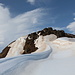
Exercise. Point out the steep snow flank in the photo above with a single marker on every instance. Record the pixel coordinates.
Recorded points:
(17, 47)
(61, 47)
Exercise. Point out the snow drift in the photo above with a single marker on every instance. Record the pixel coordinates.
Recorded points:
(18, 65)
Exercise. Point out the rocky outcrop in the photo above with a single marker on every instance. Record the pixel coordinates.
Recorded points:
(29, 44)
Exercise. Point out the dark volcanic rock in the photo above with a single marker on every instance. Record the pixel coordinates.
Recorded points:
(29, 44)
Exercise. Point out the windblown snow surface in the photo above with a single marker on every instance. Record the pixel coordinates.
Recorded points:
(55, 56)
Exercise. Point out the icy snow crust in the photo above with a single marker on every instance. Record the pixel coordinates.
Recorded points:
(55, 56)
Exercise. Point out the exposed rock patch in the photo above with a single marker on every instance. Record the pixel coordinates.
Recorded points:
(29, 45)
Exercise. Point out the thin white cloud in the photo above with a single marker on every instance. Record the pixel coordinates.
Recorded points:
(31, 1)
(71, 27)
(12, 28)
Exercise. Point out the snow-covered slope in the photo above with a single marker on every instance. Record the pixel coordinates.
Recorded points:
(37, 64)
(52, 55)
(49, 59)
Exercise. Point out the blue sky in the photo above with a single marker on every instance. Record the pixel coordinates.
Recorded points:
(20, 17)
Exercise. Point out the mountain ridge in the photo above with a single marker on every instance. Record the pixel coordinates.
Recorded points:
(29, 45)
